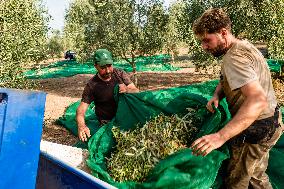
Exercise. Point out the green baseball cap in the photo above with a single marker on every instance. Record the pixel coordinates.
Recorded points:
(103, 57)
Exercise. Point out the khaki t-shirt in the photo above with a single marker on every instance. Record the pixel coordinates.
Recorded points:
(242, 64)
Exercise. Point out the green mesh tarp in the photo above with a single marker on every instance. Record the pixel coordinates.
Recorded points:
(275, 65)
(69, 68)
(181, 169)
(160, 96)
(66, 68)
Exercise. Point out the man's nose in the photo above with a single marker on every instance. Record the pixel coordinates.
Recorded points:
(107, 70)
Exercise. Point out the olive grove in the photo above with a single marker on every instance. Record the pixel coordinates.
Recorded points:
(23, 32)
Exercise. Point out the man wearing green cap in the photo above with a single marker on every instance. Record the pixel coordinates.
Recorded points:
(100, 90)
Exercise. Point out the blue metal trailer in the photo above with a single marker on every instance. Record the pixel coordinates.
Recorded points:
(22, 165)
(55, 174)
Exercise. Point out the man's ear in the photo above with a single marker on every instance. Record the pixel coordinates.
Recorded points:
(224, 32)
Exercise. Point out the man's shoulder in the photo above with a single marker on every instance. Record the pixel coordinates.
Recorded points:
(117, 70)
(240, 45)
(245, 46)
(243, 49)
(122, 76)
(93, 80)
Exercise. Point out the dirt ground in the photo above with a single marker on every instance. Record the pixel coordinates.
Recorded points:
(61, 92)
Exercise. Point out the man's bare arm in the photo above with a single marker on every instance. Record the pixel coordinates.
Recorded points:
(83, 130)
(254, 103)
(131, 88)
(219, 92)
(218, 95)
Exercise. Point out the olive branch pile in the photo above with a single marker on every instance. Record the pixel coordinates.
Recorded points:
(139, 150)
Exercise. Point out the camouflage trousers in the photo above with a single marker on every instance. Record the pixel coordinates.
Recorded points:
(249, 162)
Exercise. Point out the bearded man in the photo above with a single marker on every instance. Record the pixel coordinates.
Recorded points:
(100, 90)
(246, 83)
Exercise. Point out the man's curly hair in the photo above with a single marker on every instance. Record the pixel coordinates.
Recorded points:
(211, 21)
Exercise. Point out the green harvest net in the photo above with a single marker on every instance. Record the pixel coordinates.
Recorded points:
(275, 65)
(181, 169)
(69, 68)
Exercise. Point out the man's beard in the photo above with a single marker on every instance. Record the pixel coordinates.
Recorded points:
(220, 50)
(106, 76)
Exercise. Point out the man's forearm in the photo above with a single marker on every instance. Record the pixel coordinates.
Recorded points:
(247, 114)
(80, 120)
(131, 88)
(80, 114)
(219, 93)
(83, 130)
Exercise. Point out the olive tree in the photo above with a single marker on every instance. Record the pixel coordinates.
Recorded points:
(255, 20)
(54, 45)
(128, 28)
(78, 20)
(23, 29)
(192, 9)
(173, 37)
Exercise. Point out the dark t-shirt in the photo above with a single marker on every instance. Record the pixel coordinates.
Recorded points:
(101, 93)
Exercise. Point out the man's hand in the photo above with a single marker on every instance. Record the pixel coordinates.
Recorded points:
(207, 143)
(84, 133)
(128, 89)
(83, 130)
(122, 88)
(218, 95)
(214, 100)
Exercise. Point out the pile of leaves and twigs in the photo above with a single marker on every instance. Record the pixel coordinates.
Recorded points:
(139, 150)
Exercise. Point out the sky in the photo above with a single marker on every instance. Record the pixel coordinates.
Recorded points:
(56, 8)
